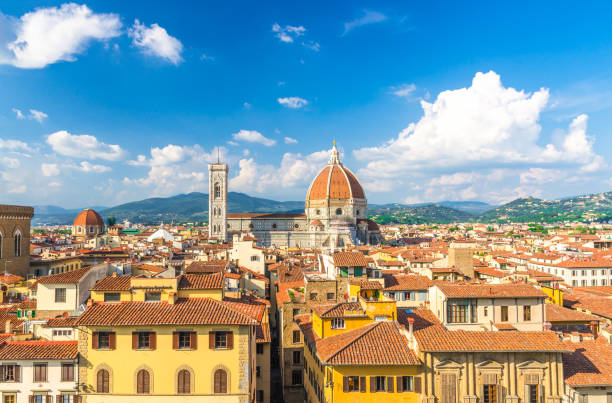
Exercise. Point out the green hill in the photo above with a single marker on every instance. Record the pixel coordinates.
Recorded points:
(421, 214)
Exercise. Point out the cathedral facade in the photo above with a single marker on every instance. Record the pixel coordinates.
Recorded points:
(335, 213)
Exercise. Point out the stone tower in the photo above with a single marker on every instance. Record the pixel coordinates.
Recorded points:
(217, 201)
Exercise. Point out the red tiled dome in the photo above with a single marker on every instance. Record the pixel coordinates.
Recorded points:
(335, 182)
(88, 217)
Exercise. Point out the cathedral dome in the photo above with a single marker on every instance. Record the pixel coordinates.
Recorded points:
(335, 182)
(88, 217)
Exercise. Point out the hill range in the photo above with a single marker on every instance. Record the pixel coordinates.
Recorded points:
(193, 207)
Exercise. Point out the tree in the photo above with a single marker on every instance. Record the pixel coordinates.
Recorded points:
(110, 221)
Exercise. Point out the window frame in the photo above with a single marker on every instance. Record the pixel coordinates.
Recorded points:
(40, 372)
(60, 295)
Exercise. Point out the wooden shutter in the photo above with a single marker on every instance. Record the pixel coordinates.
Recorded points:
(193, 340)
(449, 388)
(362, 384)
(31, 399)
(44, 371)
(112, 341)
(175, 340)
(372, 384)
(2, 370)
(153, 340)
(399, 384)
(489, 379)
(17, 373)
(48, 398)
(390, 384)
(417, 384)
(230, 340)
(211, 340)
(345, 384)
(58, 399)
(94, 340)
(134, 340)
(532, 379)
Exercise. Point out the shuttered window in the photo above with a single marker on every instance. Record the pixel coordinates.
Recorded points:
(67, 372)
(143, 381)
(103, 341)
(102, 381)
(220, 381)
(40, 372)
(184, 382)
(449, 388)
(404, 384)
(350, 384)
(184, 340)
(10, 373)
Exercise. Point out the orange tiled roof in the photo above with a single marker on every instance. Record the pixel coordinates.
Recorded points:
(400, 282)
(349, 259)
(193, 311)
(69, 277)
(490, 291)
(432, 336)
(378, 343)
(62, 322)
(200, 281)
(39, 350)
(110, 283)
(556, 313)
(368, 285)
(335, 310)
(589, 365)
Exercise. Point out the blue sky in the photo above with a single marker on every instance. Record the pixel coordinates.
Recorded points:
(106, 102)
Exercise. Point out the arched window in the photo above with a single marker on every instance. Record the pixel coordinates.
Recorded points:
(17, 243)
(184, 382)
(217, 190)
(220, 381)
(103, 381)
(143, 384)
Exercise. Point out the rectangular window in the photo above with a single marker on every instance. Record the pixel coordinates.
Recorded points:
(504, 313)
(67, 372)
(296, 377)
(313, 296)
(337, 323)
(260, 348)
(296, 336)
(331, 296)
(220, 339)
(60, 295)
(144, 340)
(12, 398)
(260, 396)
(152, 296)
(380, 383)
(486, 311)
(10, 373)
(527, 313)
(112, 297)
(489, 394)
(40, 372)
(104, 340)
(184, 340)
(352, 384)
(297, 358)
(258, 371)
(457, 312)
(405, 384)
(296, 312)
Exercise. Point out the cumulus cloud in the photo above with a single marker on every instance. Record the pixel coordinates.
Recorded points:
(88, 167)
(292, 102)
(14, 145)
(49, 35)
(50, 169)
(18, 114)
(155, 40)
(369, 17)
(37, 115)
(295, 171)
(253, 136)
(540, 175)
(287, 33)
(486, 124)
(290, 140)
(84, 146)
(18, 189)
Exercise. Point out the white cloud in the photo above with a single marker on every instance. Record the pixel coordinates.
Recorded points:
(253, 136)
(539, 176)
(20, 189)
(288, 33)
(312, 45)
(85, 166)
(369, 17)
(49, 169)
(290, 140)
(14, 145)
(207, 58)
(246, 106)
(295, 171)
(49, 35)
(484, 124)
(292, 102)
(155, 41)
(18, 113)
(84, 146)
(9, 162)
(404, 90)
(456, 179)
(37, 115)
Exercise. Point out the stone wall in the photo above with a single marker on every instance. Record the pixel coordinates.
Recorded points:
(13, 220)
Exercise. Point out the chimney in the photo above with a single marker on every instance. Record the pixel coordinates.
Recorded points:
(65, 315)
(89, 302)
(7, 326)
(411, 328)
(547, 326)
(172, 298)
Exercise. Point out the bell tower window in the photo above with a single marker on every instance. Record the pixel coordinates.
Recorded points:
(217, 191)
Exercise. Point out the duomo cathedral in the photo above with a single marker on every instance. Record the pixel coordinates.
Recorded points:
(335, 213)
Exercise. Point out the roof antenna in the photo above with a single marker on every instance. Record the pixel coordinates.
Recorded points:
(218, 155)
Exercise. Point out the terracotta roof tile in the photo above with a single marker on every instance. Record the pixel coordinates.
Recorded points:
(110, 283)
(556, 313)
(589, 365)
(401, 282)
(349, 259)
(490, 291)
(336, 310)
(39, 350)
(200, 281)
(69, 277)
